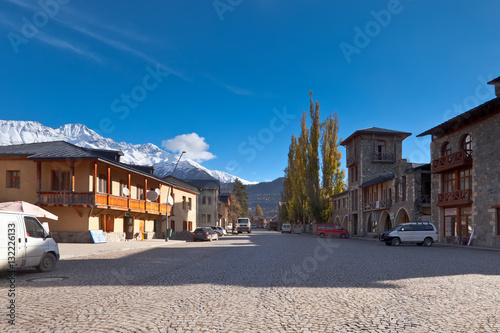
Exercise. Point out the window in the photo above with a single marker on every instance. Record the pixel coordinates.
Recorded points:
(140, 193)
(184, 225)
(190, 225)
(190, 204)
(172, 225)
(122, 186)
(184, 203)
(13, 179)
(380, 150)
(446, 149)
(209, 218)
(467, 143)
(465, 179)
(448, 182)
(209, 200)
(203, 218)
(33, 228)
(60, 180)
(396, 190)
(403, 188)
(203, 200)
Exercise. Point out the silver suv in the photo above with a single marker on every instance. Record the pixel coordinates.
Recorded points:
(420, 233)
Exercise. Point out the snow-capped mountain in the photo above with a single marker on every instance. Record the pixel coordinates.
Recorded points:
(18, 132)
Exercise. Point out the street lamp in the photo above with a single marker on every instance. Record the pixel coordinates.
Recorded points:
(168, 196)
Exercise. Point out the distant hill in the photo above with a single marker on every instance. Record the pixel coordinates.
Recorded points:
(266, 195)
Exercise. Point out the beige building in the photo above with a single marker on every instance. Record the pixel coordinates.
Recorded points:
(89, 189)
(183, 216)
(466, 175)
(208, 201)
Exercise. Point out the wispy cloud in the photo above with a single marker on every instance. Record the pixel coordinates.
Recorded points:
(85, 25)
(238, 91)
(65, 45)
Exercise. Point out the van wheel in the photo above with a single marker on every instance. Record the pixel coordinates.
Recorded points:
(428, 241)
(322, 235)
(47, 264)
(342, 236)
(395, 242)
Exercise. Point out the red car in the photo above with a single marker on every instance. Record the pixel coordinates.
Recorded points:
(334, 230)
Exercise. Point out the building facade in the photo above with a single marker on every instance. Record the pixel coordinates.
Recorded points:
(466, 175)
(183, 215)
(88, 189)
(384, 190)
(208, 201)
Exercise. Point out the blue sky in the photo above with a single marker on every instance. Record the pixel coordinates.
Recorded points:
(229, 79)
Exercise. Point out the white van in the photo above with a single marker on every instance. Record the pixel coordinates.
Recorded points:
(243, 224)
(25, 243)
(286, 227)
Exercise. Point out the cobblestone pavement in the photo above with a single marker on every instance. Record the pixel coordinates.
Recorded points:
(263, 282)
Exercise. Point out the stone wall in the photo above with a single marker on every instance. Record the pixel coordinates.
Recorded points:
(485, 178)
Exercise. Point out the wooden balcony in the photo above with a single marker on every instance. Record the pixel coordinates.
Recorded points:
(455, 198)
(459, 159)
(382, 204)
(100, 200)
(351, 160)
(384, 157)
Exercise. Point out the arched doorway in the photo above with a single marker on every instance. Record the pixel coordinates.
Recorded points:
(345, 223)
(337, 220)
(371, 223)
(385, 220)
(402, 216)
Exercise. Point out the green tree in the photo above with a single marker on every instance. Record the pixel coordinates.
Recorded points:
(312, 167)
(240, 195)
(332, 175)
(258, 211)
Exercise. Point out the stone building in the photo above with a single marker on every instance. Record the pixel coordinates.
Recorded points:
(466, 175)
(384, 190)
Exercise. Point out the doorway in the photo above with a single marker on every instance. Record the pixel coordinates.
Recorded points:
(128, 227)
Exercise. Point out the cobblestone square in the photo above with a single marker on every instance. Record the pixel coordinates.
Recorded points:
(263, 282)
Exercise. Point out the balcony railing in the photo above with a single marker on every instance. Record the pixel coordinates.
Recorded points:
(459, 159)
(351, 160)
(425, 199)
(382, 204)
(460, 197)
(384, 157)
(67, 198)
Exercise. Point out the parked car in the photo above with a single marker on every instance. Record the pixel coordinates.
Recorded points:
(335, 230)
(25, 243)
(286, 227)
(420, 233)
(205, 234)
(219, 230)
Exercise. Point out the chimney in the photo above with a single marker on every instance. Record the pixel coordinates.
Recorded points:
(496, 83)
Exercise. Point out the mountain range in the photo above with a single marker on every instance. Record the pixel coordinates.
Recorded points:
(19, 132)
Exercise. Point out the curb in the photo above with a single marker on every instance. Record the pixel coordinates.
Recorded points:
(104, 251)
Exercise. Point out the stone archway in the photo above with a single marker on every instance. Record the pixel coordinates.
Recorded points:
(384, 221)
(402, 216)
(337, 220)
(345, 223)
(371, 223)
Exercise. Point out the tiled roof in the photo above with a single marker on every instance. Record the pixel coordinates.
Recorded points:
(378, 180)
(204, 184)
(64, 150)
(465, 119)
(375, 130)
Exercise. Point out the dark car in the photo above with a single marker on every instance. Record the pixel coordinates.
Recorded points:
(205, 234)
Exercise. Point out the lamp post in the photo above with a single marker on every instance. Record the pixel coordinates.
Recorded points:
(168, 196)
